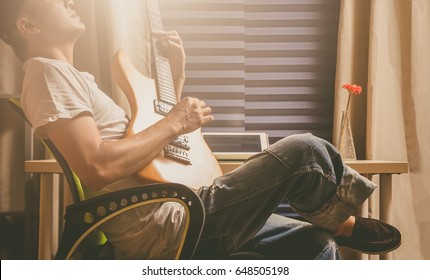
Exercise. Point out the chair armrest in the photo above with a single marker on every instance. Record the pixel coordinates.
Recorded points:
(83, 218)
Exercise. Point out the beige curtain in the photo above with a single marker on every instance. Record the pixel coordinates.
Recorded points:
(383, 46)
(112, 25)
(12, 180)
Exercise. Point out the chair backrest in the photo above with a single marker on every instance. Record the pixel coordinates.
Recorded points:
(73, 181)
(75, 186)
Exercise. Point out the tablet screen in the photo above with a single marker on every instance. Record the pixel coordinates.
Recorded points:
(232, 146)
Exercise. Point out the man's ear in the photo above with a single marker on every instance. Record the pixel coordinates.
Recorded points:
(24, 25)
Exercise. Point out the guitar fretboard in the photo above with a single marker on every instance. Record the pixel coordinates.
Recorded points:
(166, 89)
(179, 148)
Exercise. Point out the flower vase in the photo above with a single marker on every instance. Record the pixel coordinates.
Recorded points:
(346, 141)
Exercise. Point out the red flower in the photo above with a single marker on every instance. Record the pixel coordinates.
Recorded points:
(353, 89)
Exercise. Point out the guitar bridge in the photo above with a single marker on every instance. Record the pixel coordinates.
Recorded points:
(161, 107)
(177, 154)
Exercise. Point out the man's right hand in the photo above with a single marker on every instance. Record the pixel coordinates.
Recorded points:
(190, 114)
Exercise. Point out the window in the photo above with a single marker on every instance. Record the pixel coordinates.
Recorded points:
(262, 65)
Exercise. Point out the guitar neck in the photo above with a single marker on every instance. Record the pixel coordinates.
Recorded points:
(161, 64)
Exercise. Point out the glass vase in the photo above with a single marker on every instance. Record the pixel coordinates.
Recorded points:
(346, 140)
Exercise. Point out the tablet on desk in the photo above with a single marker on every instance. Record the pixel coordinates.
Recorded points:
(235, 146)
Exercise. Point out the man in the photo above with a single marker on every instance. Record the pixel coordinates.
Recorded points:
(66, 106)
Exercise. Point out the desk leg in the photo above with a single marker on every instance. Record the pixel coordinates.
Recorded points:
(363, 211)
(56, 204)
(45, 216)
(385, 198)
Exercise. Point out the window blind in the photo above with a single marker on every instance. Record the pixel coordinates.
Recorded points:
(262, 65)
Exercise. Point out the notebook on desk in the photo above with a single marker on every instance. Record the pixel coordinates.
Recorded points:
(236, 146)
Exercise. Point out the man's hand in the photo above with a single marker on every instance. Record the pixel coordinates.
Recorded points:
(190, 114)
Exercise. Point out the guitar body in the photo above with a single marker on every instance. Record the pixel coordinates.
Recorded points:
(141, 92)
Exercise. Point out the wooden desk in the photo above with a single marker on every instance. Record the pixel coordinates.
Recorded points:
(47, 168)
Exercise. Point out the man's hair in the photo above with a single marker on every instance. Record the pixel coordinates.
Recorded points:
(9, 10)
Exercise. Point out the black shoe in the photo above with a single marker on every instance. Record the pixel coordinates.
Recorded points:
(371, 236)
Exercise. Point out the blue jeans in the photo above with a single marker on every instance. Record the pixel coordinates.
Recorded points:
(305, 170)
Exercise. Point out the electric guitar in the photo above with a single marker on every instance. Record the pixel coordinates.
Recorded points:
(188, 159)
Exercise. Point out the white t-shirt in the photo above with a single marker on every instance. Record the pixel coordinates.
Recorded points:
(54, 89)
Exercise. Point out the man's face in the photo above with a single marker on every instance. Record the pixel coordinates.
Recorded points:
(56, 19)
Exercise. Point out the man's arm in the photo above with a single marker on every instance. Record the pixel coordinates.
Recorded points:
(98, 162)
